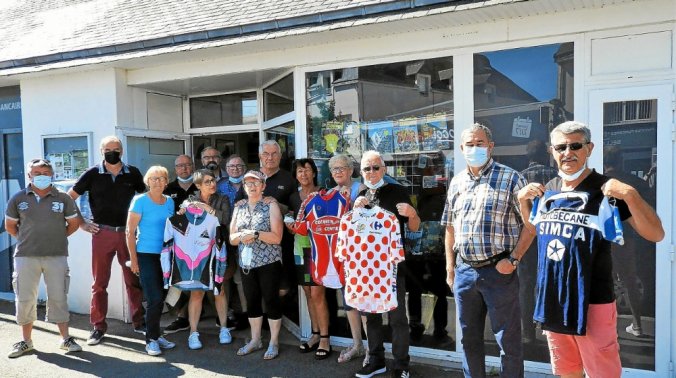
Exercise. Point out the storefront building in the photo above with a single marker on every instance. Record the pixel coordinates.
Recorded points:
(401, 77)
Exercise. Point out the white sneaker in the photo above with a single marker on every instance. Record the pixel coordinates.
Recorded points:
(224, 336)
(634, 331)
(20, 348)
(70, 345)
(194, 341)
(165, 344)
(153, 348)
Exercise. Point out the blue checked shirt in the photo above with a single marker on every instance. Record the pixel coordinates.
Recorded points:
(484, 211)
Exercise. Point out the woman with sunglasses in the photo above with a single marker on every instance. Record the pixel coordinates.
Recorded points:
(256, 228)
(147, 216)
(217, 205)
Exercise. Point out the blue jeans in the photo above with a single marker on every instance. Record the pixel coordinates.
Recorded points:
(485, 290)
(153, 291)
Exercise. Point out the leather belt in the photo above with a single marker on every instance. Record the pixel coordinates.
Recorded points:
(490, 261)
(111, 228)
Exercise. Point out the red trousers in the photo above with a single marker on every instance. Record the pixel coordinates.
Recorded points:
(105, 245)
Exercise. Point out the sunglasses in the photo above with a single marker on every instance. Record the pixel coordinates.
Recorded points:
(375, 168)
(573, 146)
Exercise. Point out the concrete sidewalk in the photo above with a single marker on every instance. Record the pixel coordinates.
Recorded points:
(122, 354)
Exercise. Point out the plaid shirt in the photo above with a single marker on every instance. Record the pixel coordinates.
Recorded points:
(484, 211)
(539, 173)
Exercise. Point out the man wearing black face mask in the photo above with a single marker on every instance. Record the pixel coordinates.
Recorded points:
(111, 186)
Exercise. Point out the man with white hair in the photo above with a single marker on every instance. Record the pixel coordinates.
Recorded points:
(395, 200)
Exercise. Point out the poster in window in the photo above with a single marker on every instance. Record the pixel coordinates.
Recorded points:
(434, 133)
(332, 135)
(380, 136)
(406, 135)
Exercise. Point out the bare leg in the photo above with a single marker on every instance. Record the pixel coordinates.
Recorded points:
(194, 309)
(26, 331)
(314, 338)
(275, 326)
(578, 374)
(321, 315)
(355, 326)
(221, 302)
(63, 330)
(256, 324)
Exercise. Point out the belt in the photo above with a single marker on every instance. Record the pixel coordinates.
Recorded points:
(111, 228)
(490, 261)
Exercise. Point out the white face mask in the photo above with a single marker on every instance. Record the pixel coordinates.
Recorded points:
(376, 185)
(573, 176)
(185, 180)
(475, 156)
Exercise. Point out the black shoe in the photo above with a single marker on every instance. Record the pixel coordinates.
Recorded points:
(140, 329)
(95, 337)
(401, 373)
(180, 324)
(370, 370)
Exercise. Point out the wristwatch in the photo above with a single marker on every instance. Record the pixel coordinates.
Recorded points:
(513, 261)
(256, 234)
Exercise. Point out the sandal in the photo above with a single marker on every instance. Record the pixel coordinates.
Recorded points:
(355, 350)
(321, 352)
(272, 352)
(306, 348)
(249, 348)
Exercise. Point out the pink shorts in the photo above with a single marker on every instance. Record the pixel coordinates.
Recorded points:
(598, 353)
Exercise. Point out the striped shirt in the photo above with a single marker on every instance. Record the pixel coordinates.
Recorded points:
(484, 211)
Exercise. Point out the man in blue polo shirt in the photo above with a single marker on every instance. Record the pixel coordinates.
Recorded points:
(111, 185)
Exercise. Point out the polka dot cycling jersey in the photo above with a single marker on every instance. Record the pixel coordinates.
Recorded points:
(370, 246)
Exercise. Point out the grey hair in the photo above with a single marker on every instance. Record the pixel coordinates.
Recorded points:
(340, 158)
(368, 155)
(110, 138)
(572, 127)
(477, 127)
(269, 143)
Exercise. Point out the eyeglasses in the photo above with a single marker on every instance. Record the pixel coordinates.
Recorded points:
(208, 182)
(156, 179)
(375, 168)
(236, 166)
(339, 169)
(186, 165)
(573, 146)
(269, 155)
(211, 157)
(253, 184)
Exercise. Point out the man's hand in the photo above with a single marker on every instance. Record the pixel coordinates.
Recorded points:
(450, 277)
(505, 267)
(617, 189)
(360, 201)
(406, 210)
(90, 227)
(531, 191)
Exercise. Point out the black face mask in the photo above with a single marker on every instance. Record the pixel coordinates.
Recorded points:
(112, 157)
(212, 166)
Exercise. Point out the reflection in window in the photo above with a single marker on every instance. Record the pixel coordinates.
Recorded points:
(284, 135)
(404, 110)
(278, 98)
(224, 110)
(629, 155)
(521, 94)
(146, 152)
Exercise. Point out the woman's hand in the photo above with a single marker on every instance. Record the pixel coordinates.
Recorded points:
(134, 267)
(247, 236)
(360, 201)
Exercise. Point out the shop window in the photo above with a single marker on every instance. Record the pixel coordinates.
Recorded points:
(146, 152)
(224, 110)
(278, 98)
(404, 110)
(521, 94)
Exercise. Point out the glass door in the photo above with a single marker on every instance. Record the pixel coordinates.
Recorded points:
(633, 128)
(11, 181)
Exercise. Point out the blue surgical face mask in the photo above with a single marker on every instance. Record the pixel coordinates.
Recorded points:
(475, 156)
(235, 180)
(573, 176)
(376, 185)
(42, 182)
(185, 180)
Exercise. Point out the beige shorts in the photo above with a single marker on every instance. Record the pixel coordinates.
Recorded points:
(26, 279)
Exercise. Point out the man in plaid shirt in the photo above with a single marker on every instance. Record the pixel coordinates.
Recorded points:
(485, 240)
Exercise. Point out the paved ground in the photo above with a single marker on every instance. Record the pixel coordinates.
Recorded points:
(122, 354)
